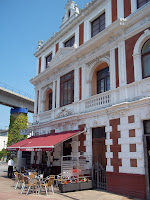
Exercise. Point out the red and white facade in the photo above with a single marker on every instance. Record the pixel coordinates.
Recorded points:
(70, 95)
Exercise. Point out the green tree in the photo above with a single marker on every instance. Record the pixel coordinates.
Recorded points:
(16, 124)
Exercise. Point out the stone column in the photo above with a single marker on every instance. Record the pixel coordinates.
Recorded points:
(53, 102)
(35, 103)
(122, 64)
(137, 67)
(58, 93)
(133, 6)
(84, 93)
(76, 84)
(39, 102)
(112, 70)
(120, 8)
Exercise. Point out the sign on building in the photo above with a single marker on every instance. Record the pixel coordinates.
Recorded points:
(25, 131)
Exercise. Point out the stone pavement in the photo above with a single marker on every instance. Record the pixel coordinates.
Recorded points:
(7, 192)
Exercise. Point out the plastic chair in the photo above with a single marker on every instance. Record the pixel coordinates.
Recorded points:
(47, 184)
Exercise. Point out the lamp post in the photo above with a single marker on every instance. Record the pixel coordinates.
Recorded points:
(3, 150)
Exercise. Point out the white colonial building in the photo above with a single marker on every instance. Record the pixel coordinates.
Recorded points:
(94, 76)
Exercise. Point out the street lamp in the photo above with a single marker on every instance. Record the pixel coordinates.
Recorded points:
(3, 150)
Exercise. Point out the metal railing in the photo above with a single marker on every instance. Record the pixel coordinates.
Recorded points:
(12, 89)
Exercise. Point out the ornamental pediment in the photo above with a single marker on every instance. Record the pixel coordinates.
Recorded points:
(61, 54)
(64, 113)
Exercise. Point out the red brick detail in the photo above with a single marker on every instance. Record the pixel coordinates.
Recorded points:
(82, 138)
(39, 65)
(131, 119)
(132, 147)
(52, 131)
(81, 127)
(131, 185)
(133, 162)
(116, 67)
(80, 83)
(132, 133)
(57, 47)
(115, 148)
(127, 8)
(129, 45)
(114, 10)
(81, 34)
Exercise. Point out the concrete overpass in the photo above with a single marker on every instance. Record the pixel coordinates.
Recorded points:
(14, 100)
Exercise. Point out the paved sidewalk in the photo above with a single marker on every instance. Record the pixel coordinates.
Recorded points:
(7, 192)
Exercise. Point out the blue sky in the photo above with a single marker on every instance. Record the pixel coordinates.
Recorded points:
(22, 24)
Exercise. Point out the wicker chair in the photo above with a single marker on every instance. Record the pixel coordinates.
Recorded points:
(20, 180)
(16, 178)
(29, 183)
(47, 184)
(35, 173)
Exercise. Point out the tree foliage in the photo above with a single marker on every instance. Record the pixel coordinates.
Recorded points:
(16, 124)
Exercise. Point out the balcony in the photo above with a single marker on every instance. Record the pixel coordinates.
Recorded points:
(128, 93)
(98, 100)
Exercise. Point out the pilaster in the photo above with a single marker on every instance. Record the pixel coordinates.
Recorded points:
(122, 64)
(53, 102)
(58, 93)
(76, 85)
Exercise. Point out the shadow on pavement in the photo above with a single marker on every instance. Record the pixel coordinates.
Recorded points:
(65, 195)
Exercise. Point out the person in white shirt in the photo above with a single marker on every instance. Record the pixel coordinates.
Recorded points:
(10, 168)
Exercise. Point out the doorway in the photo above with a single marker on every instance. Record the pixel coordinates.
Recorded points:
(146, 124)
(99, 157)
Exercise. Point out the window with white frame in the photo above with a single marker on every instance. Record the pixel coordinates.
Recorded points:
(70, 42)
(48, 59)
(146, 59)
(98, 25)
(103, 80)
(140, 3)
(67, 89)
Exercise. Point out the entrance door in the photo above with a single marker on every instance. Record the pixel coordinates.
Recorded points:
(99, 158)
(147, 155)
(98, 146)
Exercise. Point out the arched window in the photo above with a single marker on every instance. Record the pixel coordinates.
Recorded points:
(69, 13)
(48, 100)
(100, 79)
(146, 59)
(103, 80)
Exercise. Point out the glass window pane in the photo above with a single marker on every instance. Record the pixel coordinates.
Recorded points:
(98, 25)
(146, 47)
(103, 80)
(70, 42)
(146, 63)
(48, 59)
(102, 86)
(141, 3)
(98, 133)
(108, 84)
(67, 88)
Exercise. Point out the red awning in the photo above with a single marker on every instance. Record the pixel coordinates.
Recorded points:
(43, 142)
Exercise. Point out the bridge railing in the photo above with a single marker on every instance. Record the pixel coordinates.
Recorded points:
(8, 87)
